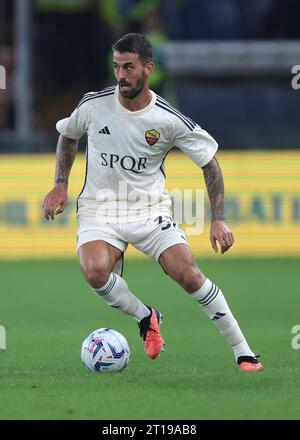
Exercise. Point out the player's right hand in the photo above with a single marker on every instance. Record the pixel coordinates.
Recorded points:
(55, 201)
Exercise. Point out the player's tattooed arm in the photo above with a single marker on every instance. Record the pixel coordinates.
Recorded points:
(56, 200)
(65, 154)
(215, 188)
(219, 231)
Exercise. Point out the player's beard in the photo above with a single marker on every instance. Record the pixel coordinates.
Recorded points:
(134, 91)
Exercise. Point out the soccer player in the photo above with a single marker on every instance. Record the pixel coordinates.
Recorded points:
(130, 131)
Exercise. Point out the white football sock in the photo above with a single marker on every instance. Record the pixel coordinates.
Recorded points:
(116, 293)
(213, 303)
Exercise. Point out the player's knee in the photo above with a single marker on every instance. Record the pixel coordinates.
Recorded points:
(191, 279)
(96, 276)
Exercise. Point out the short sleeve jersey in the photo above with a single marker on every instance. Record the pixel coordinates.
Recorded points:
(126, 150)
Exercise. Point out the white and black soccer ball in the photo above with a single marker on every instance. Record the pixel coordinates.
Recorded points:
(105, 350)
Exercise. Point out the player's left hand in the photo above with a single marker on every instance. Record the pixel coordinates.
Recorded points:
(220, 232)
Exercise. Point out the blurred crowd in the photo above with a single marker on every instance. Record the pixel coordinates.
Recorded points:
(71, 41)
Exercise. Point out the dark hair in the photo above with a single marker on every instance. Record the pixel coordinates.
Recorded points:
(134, 43)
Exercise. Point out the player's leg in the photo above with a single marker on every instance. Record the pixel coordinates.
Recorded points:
(97, 260)
(177, 261)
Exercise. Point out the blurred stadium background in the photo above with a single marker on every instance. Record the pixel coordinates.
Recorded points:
(227, 64)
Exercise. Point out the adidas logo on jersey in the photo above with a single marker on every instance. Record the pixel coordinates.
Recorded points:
(104, 130)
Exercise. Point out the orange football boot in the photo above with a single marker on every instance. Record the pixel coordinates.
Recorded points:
(249, 363)
(150, 332)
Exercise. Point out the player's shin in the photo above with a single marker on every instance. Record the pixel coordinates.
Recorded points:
(116, 294)
(214, 305)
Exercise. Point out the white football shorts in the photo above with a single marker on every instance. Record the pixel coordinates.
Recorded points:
(151, 237)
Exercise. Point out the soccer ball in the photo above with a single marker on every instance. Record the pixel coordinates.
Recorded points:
(105, 350)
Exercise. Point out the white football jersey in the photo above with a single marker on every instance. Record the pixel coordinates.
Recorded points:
(125, 177)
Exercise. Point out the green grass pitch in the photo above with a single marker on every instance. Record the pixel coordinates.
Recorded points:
(48, 309)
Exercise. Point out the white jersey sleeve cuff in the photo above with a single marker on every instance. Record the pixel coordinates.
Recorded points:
(62, 127)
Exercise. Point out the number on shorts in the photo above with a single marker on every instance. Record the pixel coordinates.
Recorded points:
(168, 222)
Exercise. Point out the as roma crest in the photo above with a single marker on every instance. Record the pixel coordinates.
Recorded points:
(152, 136)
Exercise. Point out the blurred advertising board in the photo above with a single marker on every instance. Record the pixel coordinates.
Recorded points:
(262, 204)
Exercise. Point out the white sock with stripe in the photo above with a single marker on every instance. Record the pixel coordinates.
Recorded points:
(116, 293)
(213, 303)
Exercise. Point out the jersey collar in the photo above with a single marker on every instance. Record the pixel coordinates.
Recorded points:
(138, 112)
